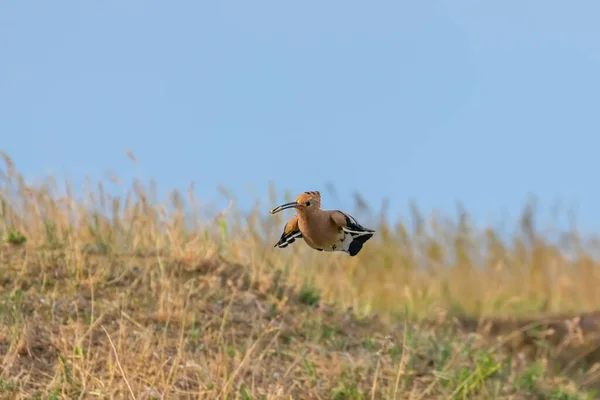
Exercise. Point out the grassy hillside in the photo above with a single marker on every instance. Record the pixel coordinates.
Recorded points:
(114, 297)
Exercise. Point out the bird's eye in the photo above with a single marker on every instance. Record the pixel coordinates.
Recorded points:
(308, 204)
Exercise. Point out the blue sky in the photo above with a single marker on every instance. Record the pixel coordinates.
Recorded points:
(484, 103)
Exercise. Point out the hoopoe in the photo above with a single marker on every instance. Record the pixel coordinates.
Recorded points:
(323, 230)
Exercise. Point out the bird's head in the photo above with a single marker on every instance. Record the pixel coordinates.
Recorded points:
(306, 202)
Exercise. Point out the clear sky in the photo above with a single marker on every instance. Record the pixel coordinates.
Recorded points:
(437, 101)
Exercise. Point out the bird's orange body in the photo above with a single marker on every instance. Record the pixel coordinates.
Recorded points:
(323, 230)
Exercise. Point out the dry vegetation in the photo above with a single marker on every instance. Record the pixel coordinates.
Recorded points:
(106, 297)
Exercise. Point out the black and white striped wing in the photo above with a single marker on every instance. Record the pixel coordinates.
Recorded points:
(353, 235)
(353, 227)
(291, 232)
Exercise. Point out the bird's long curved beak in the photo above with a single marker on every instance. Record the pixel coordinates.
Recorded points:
(282, 207)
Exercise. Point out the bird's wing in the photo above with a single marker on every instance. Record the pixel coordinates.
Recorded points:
(291, 232)
(348, 223)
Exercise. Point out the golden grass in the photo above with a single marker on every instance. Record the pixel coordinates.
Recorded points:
(129, 297)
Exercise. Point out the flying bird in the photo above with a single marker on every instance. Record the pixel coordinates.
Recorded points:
(323, 230)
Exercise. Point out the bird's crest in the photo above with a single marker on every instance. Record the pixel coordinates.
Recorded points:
(310, 201)
(308, 195)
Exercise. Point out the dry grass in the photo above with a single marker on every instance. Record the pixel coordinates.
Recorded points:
(106, 297)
